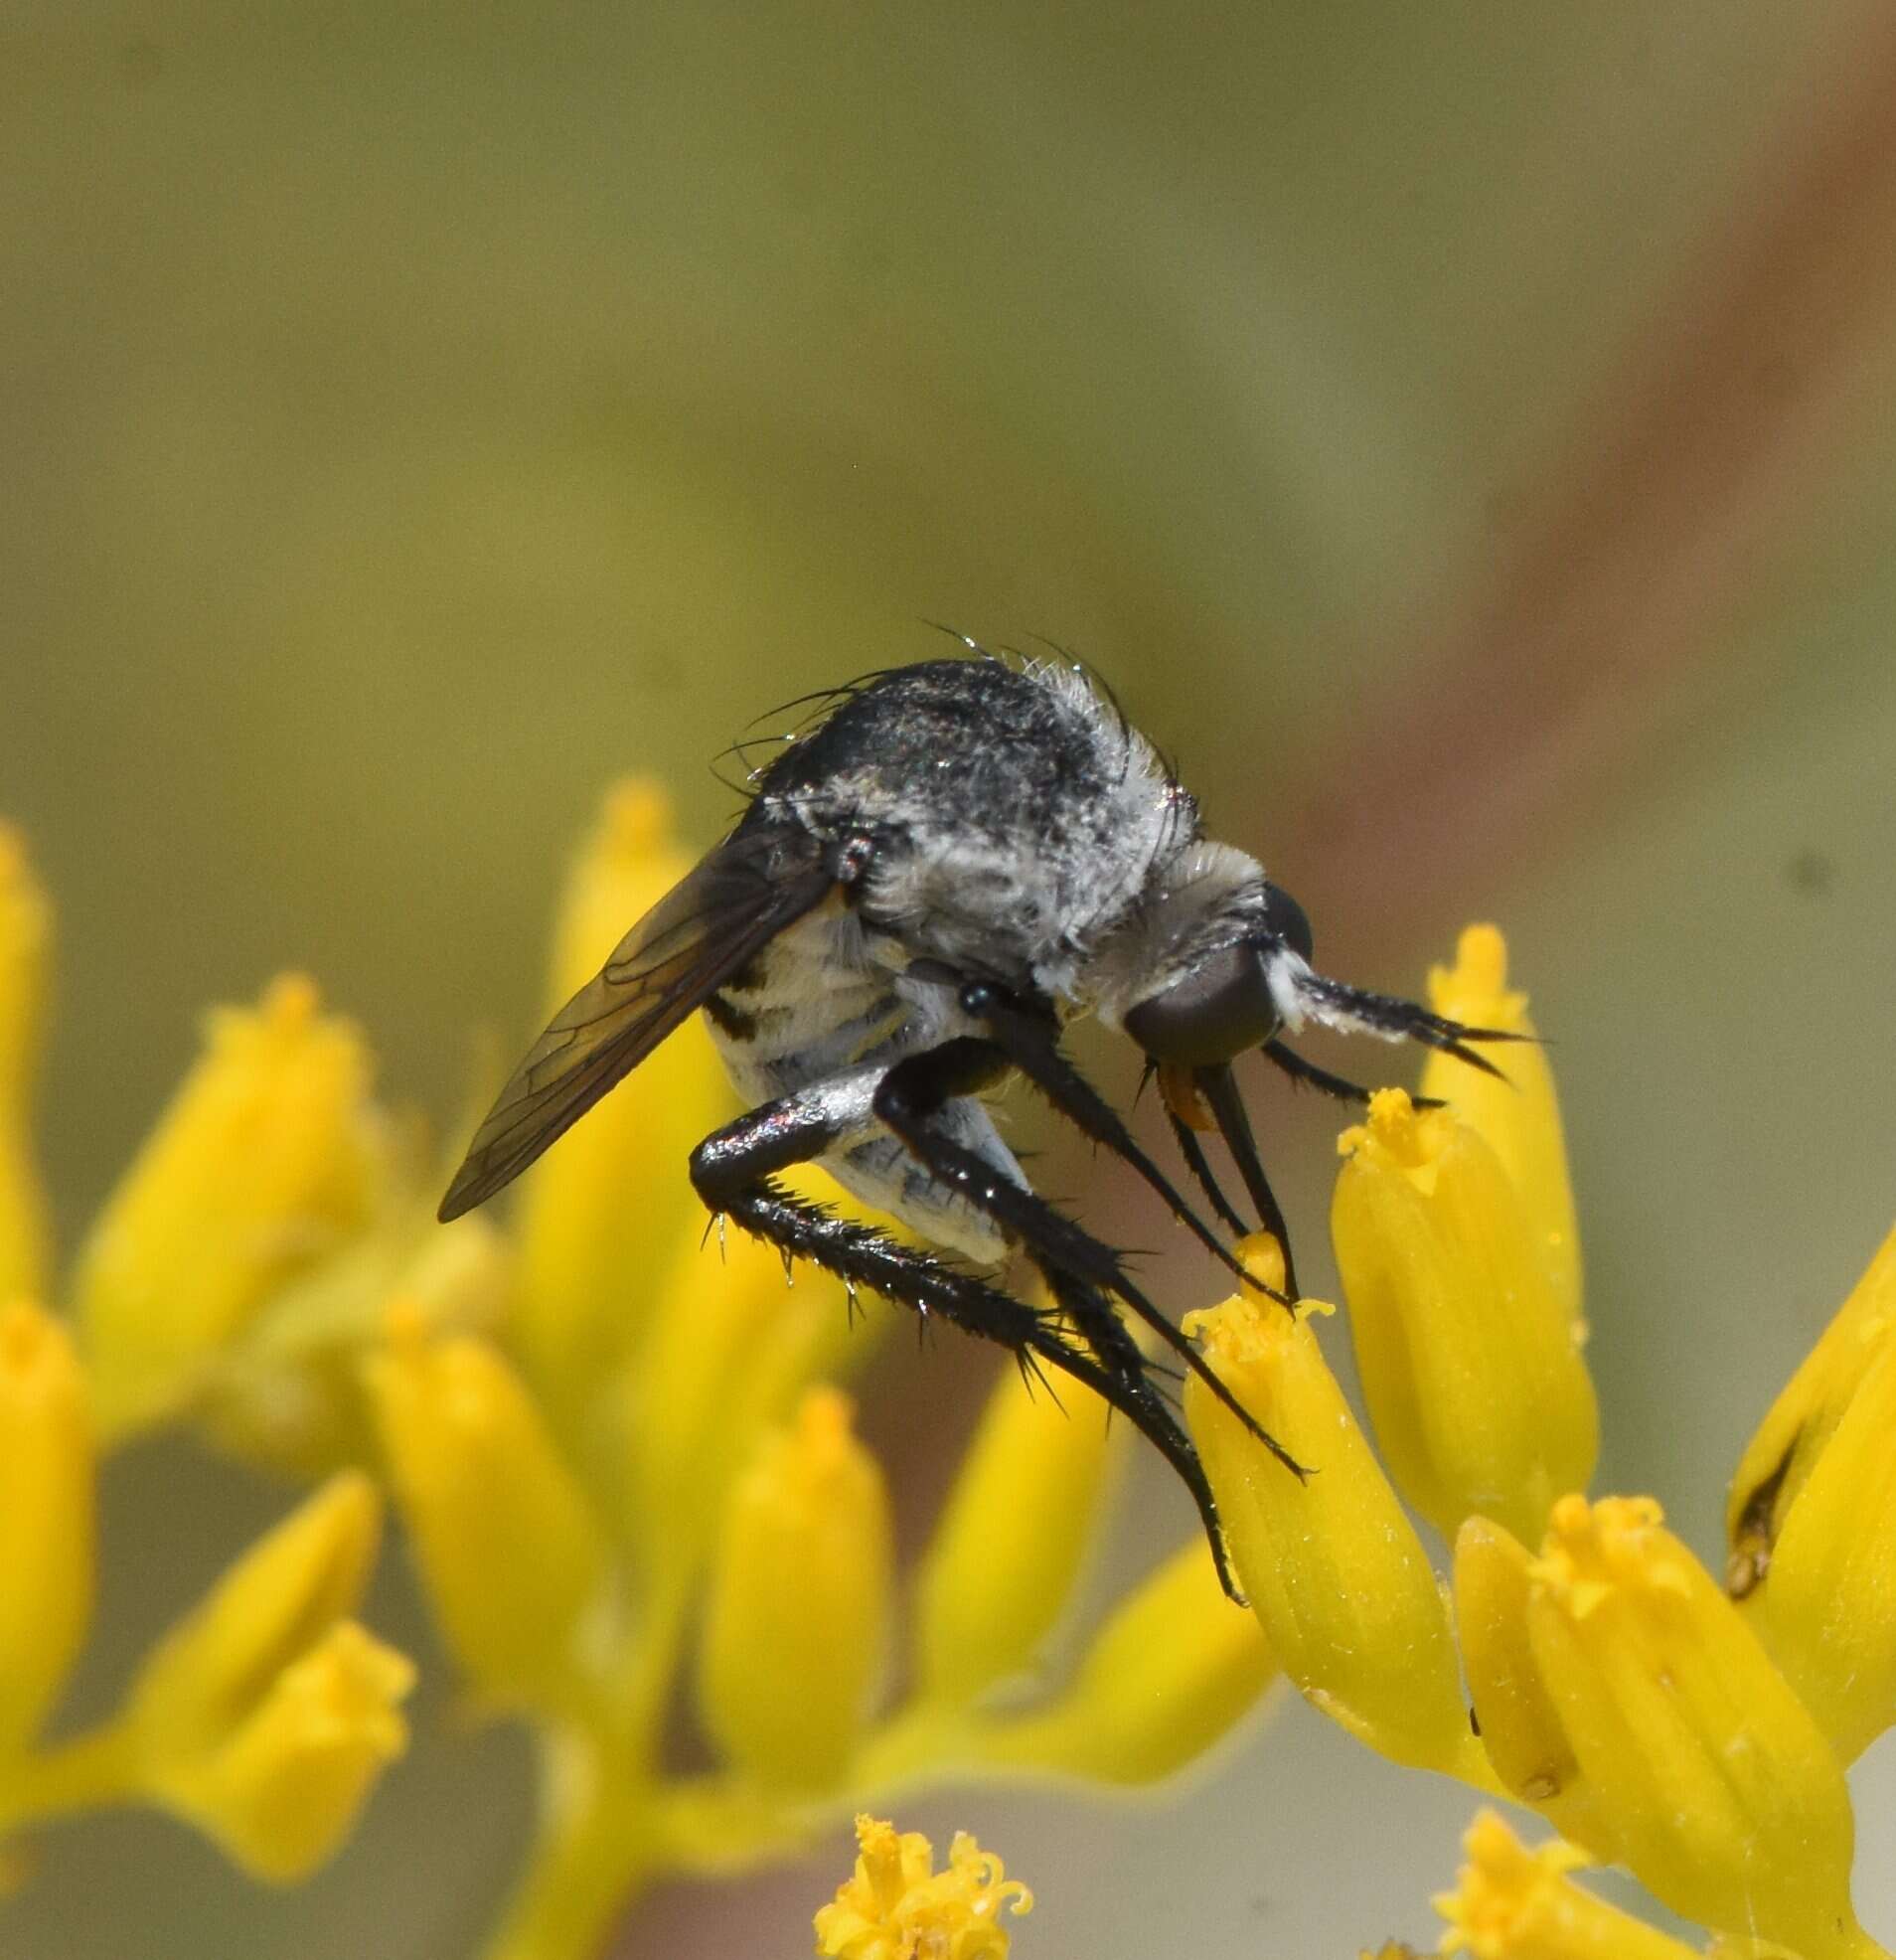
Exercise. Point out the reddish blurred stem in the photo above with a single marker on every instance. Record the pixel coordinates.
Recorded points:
(1585, 639)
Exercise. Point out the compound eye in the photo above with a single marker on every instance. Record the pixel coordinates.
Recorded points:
(1287, 919)
(1219, 1009)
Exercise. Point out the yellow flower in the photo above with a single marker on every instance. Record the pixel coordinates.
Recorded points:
(202, 1680)
(1013, 1537)
(1721, 1792)
(1519, 1725)
(1801, 1423)
(45, 1517)
(1518, 1118)
(612, 1190)
(268, 1159)
(1332, 1567)
(896, 1906)
(797, 1610)
(26, 931)
(1473, 1380)
(282, 1789)
(1175, 1669)
(1513, 1904)
(264, 1715)
(1825, 1606)
(510, 1550)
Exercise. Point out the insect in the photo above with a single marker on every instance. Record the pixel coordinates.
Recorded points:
(956, 859)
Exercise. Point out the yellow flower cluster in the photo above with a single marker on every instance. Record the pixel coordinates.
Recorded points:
(266, 1713)
(897, 1906)
(1601, 1677)
(622, 1465)
(1613, 1685)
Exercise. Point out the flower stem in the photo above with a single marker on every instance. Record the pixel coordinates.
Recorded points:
(592, 1856)
(91, 1770)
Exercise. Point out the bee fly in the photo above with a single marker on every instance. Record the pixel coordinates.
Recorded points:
(954, 861)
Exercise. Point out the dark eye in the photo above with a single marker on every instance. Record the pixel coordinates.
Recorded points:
(1287, 918)
(1219, 1009)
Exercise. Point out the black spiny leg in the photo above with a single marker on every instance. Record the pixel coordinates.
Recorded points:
(1079, 1269)
(1029, 1039)
(1192, 1152)
(731, 1171)
(1341, 1086)
(1219, 1088)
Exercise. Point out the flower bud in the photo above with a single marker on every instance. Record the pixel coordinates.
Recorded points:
(1724, 1797)
(897, 1904)
(46, 1517)
(1174, 1671)
(1513, 1904)
(267, 1160)
(1332, 1567)
(599, 1208)
(1001, 1571)
(511, 1554)
(796, 1617)
(1823, 1607)
(1470, 1367)
(1517, 1118)
(280, 1792)
(1517, 1720)
(26, 931)
(204, 1678)
(1796, 1433)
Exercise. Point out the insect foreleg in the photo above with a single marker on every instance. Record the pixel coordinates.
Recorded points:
(1029, 1039)
(1341, 1086)
(1080, 1268)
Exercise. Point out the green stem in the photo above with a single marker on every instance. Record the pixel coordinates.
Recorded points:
(88, 1772)
(593, 1855)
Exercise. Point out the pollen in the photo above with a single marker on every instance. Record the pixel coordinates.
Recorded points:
(896, 1906)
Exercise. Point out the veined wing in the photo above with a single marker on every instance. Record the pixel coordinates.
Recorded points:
(699, 935)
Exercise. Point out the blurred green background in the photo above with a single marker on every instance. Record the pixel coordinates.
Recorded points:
(1460, 434)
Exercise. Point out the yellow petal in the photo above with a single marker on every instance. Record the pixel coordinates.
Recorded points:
(599, 1216)
(1175, 1670)
(1475, 1383)
(796, 1618)
(511, 1554)
(45, 1517)
(1518, 1118)
(1519, 1725)
(282, 1790)
(26, 932)
(1724, 1797)
(205, 1677)
(896, 1906)
(1332, 1567)
(1826, 1607)
(1513, 1904)
(268, 1159)
(1013, 1534)
(1798, 1427)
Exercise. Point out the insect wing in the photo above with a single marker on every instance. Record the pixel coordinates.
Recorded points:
(697, 936)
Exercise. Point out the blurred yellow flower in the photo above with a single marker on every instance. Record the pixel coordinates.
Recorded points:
(897, 1906)
(45, 1517)
(506, 1539)
(268, 1159)
(1513, 1904)
(797, 1605)
(26, 932)
(282, 1789)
